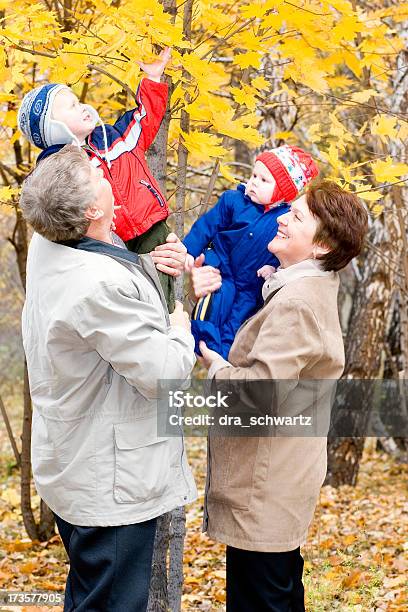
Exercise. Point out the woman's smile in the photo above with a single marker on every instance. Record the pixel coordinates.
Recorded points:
(280, 234)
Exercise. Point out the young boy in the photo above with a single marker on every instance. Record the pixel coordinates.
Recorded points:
(234, 236)
(51, 116)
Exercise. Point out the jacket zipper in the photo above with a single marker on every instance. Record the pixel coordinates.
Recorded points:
(153, 191)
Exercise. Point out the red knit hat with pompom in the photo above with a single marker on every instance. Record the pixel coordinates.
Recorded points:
(291, 167)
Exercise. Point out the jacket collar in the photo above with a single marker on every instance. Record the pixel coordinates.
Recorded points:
(283, 276)
(120, 252)
(117, 251)
(49, 151)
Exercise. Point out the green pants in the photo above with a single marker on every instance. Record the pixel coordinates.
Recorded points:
(147, 242)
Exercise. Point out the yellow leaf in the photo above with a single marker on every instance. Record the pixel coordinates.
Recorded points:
(245, 60)
(6, 194)
(387, 171)
(353, 62)
(340, 81)
(226, 173)
(403, 131)
(260, 83)
(10, 495)
(377, 209)
(238, 128)
(245, 95)
(349, 539)
(10, 119)
(346, 28)
(363, 96)
(354, 579)
(202, 146)
(384, 125)
(370, 195)
(314, 132)
(28, 568)
(15, 137)
(282, 135)
(332, 156)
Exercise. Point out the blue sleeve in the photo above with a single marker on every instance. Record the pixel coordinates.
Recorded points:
(207, 226)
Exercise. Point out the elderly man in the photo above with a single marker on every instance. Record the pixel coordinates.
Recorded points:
(97, 338)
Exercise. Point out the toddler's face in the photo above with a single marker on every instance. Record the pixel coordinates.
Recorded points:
(261, 184)
(76, 116)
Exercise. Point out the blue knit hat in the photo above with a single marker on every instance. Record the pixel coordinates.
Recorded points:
(36, 123)
(35, 119)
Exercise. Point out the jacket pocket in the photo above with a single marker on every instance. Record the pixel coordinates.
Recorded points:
(153, 191)
(142, 462)
(233, 467)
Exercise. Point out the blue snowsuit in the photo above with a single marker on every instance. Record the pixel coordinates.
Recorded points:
(234, 236)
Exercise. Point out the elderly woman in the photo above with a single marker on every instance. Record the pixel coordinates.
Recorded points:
(262, 491)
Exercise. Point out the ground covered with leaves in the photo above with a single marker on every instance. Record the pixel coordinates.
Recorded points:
(356, 557)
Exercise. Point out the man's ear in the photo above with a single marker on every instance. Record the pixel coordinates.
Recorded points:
(93, 213)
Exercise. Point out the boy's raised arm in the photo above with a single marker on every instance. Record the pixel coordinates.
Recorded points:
(151, 97)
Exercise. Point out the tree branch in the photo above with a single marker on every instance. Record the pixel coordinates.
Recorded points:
(10, 433)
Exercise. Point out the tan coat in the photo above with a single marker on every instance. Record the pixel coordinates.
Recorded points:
(262, 491)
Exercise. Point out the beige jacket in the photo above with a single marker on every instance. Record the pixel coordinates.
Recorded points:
(262, 491)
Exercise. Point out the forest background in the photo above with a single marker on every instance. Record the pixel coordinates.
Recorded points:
(330, 76)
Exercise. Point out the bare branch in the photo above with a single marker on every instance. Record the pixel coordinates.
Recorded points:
(10, 433)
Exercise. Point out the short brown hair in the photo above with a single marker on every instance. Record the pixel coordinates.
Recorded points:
(343, 222)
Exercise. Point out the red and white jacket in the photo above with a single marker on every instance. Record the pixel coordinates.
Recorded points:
(134, 188)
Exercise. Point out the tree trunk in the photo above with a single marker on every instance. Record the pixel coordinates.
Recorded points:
(176, 577)
(158, 596)
(383, 268)
(165, 590)
(26, 508)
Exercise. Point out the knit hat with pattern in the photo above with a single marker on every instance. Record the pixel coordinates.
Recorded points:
(292, 169)
(35, 118)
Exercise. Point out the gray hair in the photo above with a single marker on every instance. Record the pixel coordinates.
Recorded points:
(56, 195)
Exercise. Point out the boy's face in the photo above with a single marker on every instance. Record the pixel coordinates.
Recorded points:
(261, 184)
(69, 110)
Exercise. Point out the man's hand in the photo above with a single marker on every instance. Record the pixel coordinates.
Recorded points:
(204, 279)
(180, 317)
(208, 356)
(154, 70)
(170, 257)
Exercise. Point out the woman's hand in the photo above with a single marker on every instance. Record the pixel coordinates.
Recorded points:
(180, 317)
(208, 356)
(204, 279)
(170, 257)
(154, 70)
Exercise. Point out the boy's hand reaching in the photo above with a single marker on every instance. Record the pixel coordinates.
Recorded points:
(155, 69)
(266, 272)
